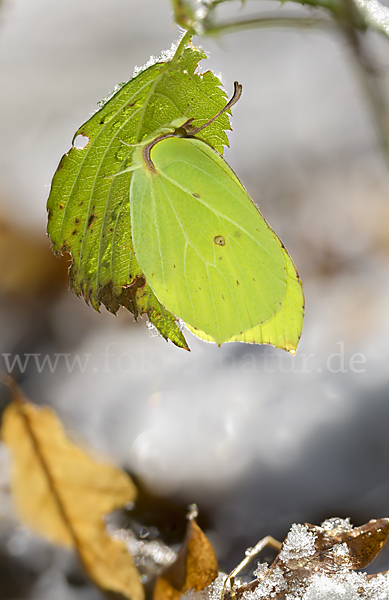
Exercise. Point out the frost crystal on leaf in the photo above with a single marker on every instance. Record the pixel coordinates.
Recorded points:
(337, 523)
(376, 14)
(153, 330)
(339, 587)
(320, 563)
(213, 592)
(104, 101)
(341, 553)
(261, 570)
(378, 588)
(269, 587)
(298, 546)
(165, 56)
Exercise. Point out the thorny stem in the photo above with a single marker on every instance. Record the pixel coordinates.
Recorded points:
(271, 21)
(369, 77)
(352, 31)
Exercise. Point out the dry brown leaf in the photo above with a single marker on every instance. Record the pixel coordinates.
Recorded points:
(62, 493)
(194, 568)
(337, 548)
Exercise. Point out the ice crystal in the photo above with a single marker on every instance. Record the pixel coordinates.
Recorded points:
(376, 14)
(153, 330)
(261, 570)
(338, 587)
(201, 13)
(298, 546)
(308, 567)
(165, 56)
(341, 555)
(378, 588)
(104, 101)
(336, 523)
(214, 591)
(268, 587)
(193, 512)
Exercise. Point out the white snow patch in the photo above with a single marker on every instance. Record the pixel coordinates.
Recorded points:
(337, 523)
(299, 544)
(335, 587)
(268, 587)
(285, 583)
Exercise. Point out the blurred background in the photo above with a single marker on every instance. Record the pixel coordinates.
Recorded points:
(258, 438)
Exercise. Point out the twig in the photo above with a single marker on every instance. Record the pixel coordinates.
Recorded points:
(369, 77)
(270, 21)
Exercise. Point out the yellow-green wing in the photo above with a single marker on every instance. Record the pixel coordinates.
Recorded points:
(283, 329)
(206, 251)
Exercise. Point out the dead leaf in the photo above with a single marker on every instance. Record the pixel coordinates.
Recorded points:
(194, 568)
(62, 493)
(363, 543)
(334, 548)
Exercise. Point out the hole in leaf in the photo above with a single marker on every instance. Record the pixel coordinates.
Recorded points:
(80, 142)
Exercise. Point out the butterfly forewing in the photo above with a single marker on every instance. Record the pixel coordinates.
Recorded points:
(206, 251)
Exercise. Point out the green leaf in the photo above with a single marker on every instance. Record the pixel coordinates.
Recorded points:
(88, 208)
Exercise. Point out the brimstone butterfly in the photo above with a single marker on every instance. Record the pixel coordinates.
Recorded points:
(206, 251)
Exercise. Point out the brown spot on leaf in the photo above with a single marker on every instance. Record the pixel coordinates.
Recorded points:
(219, 240)
(91, 219)
(128, 296)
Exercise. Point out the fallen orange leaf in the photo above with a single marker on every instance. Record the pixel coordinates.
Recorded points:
(63, 494)
(194, 568)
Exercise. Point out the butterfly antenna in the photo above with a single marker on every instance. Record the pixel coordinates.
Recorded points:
(234, 99)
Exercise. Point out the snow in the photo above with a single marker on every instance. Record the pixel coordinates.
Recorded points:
(165, 56)
(298, 546)
(336, 523)
(293, 577)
